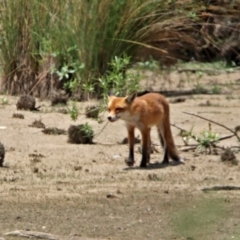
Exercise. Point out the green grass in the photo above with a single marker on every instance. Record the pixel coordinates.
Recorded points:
(201, 219)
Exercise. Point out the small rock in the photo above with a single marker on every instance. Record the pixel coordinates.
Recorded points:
(59, 98)
(54, 131)
(229, 156)
(109, 195)
(18, 115)
(116, 156)
(37, 124)
(77, 168)
(26, 102)
(92, 111)
(193, 167)
(2, 154)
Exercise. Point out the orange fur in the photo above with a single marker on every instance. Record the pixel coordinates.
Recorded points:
(144, 112)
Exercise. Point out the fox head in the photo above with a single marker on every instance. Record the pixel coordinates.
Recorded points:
(118, 107)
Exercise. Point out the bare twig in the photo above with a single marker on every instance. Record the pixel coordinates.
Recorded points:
(226, 137)
(188, 148)
(101, 130)
(174, 125)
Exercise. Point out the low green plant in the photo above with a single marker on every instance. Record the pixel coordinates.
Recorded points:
(64, 72)
(70, 69)
(4, 101)
(186, 136)
(200, 89)
(88, 88)
(206, 139)
(230, 97)
(216, 89)
(193, 15)
(148, 65)
(118, 80)
(189, 221)
(74, 111)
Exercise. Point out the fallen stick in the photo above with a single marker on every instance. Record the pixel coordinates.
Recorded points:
(42, 235)
(193, 70)
(31, 234)
(220, 188)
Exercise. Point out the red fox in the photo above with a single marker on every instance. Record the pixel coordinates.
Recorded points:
(144, 111)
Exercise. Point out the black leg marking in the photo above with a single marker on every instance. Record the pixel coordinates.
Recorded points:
(130, 160)
(165, 159)
(145, 158)
(161, 140)
(176, 158)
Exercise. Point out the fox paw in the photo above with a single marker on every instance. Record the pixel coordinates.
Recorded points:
(143, 165)
(129, 162)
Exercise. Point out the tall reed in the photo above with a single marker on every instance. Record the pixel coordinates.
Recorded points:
(39, 37)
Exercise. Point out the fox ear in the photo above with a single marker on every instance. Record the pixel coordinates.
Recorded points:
(130, 99)
(110, 95)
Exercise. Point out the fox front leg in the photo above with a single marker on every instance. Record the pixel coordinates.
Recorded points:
(130, 160)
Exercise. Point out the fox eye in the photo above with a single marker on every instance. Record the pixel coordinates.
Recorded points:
(118, 109)
(109, 109)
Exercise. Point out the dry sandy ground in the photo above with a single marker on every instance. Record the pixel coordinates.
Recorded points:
(51, 186)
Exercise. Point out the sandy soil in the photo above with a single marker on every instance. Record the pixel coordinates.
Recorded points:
(51, 186)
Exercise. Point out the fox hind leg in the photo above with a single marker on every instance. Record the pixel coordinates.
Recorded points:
(163, 143)
(145, 147)
(166, 138)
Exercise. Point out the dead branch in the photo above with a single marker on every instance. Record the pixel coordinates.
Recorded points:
(42, 235)
(219, 124)
(193, 70)
(235, 146)
(31, 234)
(226, 137)
(172, 93)
(220, 188)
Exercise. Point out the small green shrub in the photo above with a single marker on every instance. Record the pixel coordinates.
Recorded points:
(206, 139)
(80, 134)
(118, 80)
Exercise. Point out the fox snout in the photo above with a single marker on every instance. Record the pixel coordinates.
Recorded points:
(112, 118)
